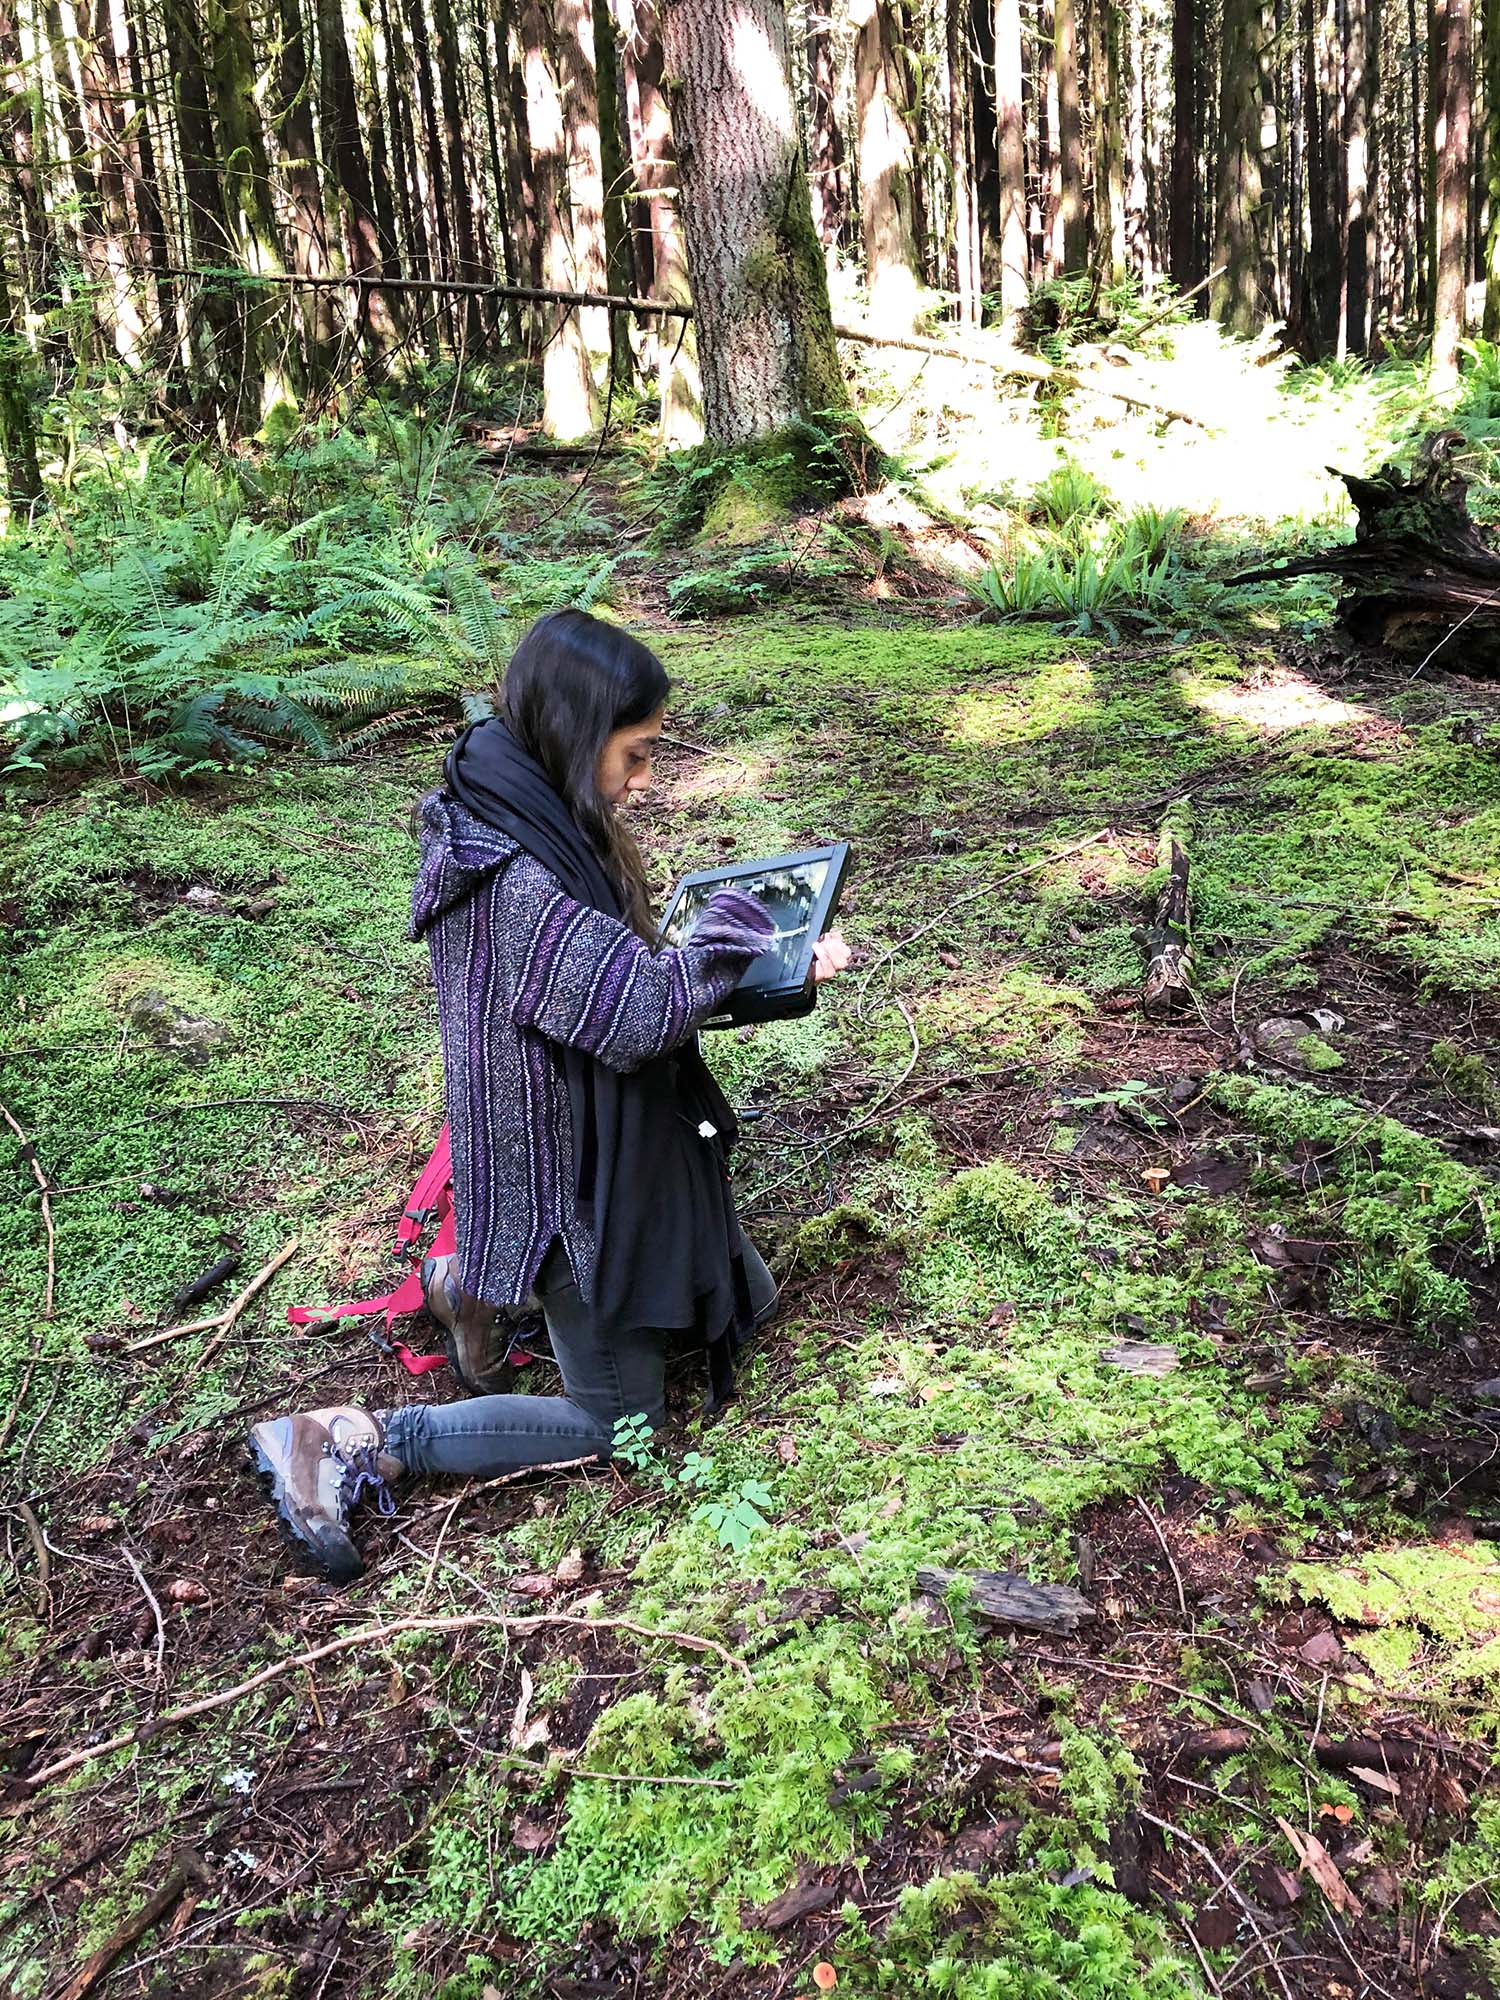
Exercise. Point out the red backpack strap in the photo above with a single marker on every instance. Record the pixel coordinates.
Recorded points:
(431, 1198)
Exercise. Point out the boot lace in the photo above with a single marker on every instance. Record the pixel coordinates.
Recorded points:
(360, 1472)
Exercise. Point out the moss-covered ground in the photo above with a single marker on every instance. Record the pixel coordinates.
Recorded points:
(980, 1170)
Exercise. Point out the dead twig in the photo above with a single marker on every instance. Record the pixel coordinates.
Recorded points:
(220, 1323)
(161, 1631)
(1161, 1540)
(369, 1635)
(38, 1542)
(472, 1492)
(28, 1154)
(187, 1868)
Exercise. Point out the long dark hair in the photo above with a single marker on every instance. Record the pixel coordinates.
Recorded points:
(572, 681)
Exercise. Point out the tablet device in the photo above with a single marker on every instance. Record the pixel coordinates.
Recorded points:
(801, 891)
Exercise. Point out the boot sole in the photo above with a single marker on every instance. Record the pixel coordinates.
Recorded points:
(333, 1550)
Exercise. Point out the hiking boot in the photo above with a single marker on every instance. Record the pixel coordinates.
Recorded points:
(319, 1464)
(476, 1336)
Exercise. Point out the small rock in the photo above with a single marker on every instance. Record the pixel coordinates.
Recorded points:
(201, 898)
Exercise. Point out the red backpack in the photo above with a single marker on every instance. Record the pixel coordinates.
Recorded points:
(431, 1200)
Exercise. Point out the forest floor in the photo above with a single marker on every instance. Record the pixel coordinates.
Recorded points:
(648, 1765)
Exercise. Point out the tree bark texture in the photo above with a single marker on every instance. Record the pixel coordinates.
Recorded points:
(1236, 296)
(887, 167)
(760, 285)
(825, 141)
(1451, 114)
(1186, 263)
(569, 406)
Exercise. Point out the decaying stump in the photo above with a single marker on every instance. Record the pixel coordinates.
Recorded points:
(1421, 579)
(1168, 983)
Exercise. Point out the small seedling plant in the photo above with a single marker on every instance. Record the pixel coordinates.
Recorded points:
(732, 1515)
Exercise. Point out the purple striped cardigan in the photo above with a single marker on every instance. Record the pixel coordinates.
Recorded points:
(522, 969)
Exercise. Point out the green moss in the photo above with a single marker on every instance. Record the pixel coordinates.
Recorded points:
(843, 1232)
(1449, 1592)
(1316, 1056)
(1465, 1074)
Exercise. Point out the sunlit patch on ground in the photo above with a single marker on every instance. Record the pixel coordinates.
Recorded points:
(1277, 703)
(1058, 693)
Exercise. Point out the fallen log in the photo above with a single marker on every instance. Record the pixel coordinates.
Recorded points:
(1168, 983)
(187, 1871)
(1419, 572)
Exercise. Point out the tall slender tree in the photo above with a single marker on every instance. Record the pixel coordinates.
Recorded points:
(1451, 116)
(825, 139)
(1010, 145)
(1075, 227)
(569, 399)
(679, 384)
(1185, 260)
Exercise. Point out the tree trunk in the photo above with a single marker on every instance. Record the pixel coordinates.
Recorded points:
(140, 154)
(1358, 55)
(982, 126)
(616, 182)
(887, 168)
(965, 275)
(344, 152)
(457, 167)
(1187, 265)
(440, 226)
(520, 184)
(1050, 164)
(1236, 295)
(1451, 97)
(1492, 105)
(765, 331)
(36, 278)
(569, 408)
(573, 42)
(1109, 176)
(209, 238)
(18, 453)
(367, 87)
(825, 142)
(1075, 225)
(1010, 146)
(102, 98)
(675, 341)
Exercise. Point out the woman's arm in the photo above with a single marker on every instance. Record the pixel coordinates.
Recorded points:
(585, 979)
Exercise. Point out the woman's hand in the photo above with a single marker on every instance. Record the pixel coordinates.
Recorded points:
(831, 956)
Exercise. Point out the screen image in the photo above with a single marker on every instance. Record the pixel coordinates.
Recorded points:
(789, 894)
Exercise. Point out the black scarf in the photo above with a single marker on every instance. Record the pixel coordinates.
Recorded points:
(654, 1190)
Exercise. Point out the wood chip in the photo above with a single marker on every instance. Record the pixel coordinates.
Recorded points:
(1378, 1779)
(1140, 1357)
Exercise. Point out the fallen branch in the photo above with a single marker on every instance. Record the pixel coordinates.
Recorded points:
(38, 1542)
(368, 1635)
(188, 1868)
(1168, 983)
(221, 1323)
(28, 1154)
(1031, 367)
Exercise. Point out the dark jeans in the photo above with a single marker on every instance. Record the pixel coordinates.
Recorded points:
(606, 1375)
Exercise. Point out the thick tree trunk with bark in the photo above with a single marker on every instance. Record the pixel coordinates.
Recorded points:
(105, 128)
(1236, 295)
(1010, 145)
(887, 167)
(1492, 100)
(1451, 118)
(965, 269)
(573, 43)
(455, 160)
(760, 287)
(209, 238)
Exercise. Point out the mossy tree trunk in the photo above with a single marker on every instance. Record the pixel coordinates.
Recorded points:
(765, 330)
(23, 476)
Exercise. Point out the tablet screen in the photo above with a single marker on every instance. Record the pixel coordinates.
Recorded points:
(789, 894)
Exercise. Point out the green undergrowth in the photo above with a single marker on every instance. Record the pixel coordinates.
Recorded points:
(176, 960)
(1424, 1619)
